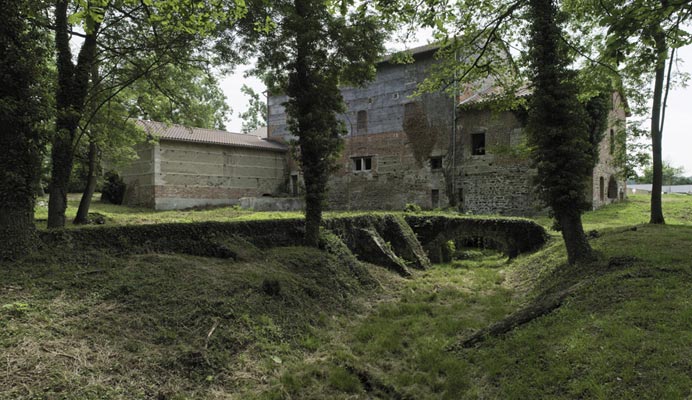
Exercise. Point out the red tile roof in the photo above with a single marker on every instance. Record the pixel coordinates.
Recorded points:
(208, 136)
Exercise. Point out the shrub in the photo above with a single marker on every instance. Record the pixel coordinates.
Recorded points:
(412, 208)
(113, 189)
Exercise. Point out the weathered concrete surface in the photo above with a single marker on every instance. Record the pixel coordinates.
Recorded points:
(511, 236)
(386, 240)
(175, 175)
(395, 232)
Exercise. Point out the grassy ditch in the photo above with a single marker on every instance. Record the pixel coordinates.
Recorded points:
(624, 332)
(296, 323)
(88, 325)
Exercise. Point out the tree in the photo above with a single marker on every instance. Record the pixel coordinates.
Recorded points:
(23, 114)
(557, 129)
(134, 36)
(312, 48)
(671, 175)
(256, 114)
(478, 41)
(640, 35)
(175, 93)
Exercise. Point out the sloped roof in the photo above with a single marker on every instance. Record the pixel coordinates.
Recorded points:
(208, 136)
(413, 51)
(488, 93)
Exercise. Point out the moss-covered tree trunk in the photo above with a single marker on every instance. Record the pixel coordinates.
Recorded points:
(656, 134)
(73, 84)
(82, 216)
(21, 143)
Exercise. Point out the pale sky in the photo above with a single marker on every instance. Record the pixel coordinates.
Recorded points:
(677, 133)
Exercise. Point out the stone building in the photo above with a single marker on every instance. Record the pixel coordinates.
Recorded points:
(431, 150)
(185, 167)
(436, 151)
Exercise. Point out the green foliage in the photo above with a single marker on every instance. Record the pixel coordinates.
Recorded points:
(312, 51)
(256, 114)
(113, 190)
(412, 208)
(671, 175)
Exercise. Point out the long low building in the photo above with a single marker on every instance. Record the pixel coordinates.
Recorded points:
(183, 167)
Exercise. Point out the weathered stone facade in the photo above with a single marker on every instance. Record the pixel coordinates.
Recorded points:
(181, 173)
(608, 184)
(402, 149)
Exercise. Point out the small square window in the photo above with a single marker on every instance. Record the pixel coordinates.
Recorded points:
(435, 163)
(362, 164)
(478, 144)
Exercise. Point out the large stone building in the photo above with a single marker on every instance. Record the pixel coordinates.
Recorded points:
(431, 150)
(437, 151)
(185, 167)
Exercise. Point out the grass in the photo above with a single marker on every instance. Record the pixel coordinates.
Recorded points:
(168, 326)
(295, 323)
(625, 334)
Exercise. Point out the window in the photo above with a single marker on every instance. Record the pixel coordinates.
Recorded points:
(478, 144)
(435, 163)
(612, 142)
(362, 122)
(362, 164)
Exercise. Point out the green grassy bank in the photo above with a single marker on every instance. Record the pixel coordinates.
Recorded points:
(297, 323)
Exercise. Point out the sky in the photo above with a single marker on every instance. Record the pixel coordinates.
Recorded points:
(677, 132)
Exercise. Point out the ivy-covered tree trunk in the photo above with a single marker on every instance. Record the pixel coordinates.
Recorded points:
(314, 100)
(21, 141)
(656, 134)
(73, 84)
(82, 216)
(558, 130)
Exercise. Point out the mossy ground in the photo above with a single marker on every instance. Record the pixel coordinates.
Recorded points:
(92, 325)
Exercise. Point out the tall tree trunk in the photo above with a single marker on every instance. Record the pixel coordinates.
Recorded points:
(21, 143)
(84, 204)
(578, 247)
(656, 133)
(557, 130)
(73, 84)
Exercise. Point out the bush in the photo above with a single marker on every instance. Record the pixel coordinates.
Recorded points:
(412, 208)
(113, 190)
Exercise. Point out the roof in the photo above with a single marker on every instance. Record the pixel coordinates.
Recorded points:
(487, 93)
(208, 136)
(414, 51)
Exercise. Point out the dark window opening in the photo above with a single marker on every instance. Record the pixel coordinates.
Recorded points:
(362, 122)
(478, 144)
(294, 185)
(612, 189)
(612, 142)
(435, 198)
(362, 163)
(435, 163)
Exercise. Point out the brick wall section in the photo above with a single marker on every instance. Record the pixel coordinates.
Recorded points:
(396, 177)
